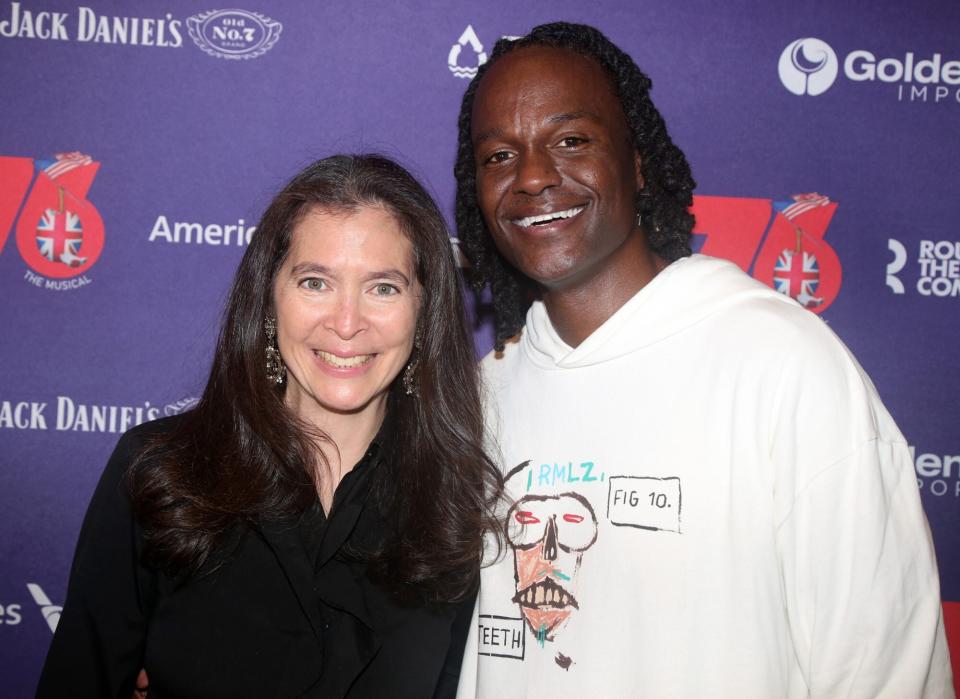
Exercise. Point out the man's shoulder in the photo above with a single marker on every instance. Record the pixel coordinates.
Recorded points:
(757, 328)
(499, 373)
(746, 304)
(495, 362)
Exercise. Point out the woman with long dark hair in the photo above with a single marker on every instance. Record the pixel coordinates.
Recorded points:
(313, 527)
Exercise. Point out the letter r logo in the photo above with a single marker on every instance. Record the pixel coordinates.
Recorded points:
(899, 260)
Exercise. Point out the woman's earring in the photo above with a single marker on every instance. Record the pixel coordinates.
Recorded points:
(411, 382)
(276, 371)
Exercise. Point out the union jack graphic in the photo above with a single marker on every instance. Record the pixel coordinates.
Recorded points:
(59, 237)
(797, 274)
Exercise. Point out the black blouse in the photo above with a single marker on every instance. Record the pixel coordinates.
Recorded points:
(289, 612)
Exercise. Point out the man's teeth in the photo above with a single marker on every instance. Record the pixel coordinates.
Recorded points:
(344, 362)
(530, 220)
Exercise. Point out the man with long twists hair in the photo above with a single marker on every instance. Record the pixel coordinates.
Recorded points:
(705, 495)
(662, 203)
(313, 527)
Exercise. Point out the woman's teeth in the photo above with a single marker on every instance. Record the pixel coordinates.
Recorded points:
(344, 362)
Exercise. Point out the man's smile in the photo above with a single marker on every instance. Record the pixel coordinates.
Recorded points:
(542, 219)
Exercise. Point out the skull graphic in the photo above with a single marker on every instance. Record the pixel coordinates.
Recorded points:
(548, 535)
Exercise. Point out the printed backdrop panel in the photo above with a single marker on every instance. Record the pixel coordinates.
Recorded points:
(140, 143)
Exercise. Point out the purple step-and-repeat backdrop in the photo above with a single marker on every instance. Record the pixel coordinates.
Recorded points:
(140, 141)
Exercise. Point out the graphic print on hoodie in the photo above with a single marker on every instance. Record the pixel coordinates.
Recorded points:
(705, 498)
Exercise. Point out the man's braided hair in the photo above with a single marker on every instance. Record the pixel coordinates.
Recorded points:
(663, 202)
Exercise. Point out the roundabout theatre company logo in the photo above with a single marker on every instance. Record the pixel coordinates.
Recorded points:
(59, 233)
(937, 268)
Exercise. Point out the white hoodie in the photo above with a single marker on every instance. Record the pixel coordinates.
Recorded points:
(709, 500)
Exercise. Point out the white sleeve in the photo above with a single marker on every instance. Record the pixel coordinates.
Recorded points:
(863, 597)
(857, 560)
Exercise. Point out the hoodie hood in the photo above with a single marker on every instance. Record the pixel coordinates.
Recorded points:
(685, 293)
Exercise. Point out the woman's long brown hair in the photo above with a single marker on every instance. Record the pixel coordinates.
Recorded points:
(240, 456)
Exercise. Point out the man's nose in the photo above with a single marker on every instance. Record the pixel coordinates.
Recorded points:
(549, 551)
(536, 171)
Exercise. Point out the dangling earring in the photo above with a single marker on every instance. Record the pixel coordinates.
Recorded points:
(411, 384)
(276, 371)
